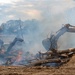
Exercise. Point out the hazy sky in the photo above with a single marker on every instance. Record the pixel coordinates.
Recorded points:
(51, 13)
(50, 10)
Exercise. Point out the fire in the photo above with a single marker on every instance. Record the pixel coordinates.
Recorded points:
(19, 56)
(2, 51)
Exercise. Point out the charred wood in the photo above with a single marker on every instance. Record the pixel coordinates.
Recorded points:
(40, 62)
(56, 56)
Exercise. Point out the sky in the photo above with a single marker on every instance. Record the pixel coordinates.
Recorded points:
(42, 10)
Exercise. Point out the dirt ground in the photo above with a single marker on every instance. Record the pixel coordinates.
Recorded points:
(66, 69)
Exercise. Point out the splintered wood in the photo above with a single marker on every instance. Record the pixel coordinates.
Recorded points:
(54, 56)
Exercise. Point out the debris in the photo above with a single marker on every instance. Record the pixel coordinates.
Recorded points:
(12, 44)
(59, 57)
(53, 55)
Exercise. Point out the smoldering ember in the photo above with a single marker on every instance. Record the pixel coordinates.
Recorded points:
(12, 53)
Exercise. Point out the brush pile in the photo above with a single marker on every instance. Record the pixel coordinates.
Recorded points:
(54, 56)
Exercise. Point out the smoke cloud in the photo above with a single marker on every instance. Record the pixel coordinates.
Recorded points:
(48, 17)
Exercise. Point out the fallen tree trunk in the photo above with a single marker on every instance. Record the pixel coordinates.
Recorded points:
(59, 51)
(66, 51)
(40, 62)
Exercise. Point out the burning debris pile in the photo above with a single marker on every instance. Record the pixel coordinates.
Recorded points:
(9, 56)
(53, 55)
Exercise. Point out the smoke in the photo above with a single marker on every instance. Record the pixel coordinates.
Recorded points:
(55, 16)
(33, 32)
(33, 37)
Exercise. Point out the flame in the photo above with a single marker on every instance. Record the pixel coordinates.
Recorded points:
(2, 51)
(19, 56)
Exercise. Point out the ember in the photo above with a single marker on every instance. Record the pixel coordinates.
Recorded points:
(19, 56)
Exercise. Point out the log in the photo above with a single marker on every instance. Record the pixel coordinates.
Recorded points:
(59, 51)
(40, 62)
(66, 51)
(65, 60)
(59, 56)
